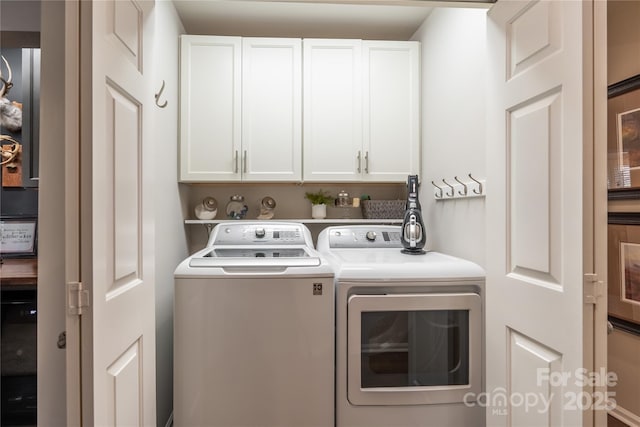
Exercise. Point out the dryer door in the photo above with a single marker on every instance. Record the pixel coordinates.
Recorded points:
(410, 349)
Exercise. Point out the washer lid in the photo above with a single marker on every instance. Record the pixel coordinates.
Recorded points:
(255, 257)
(389, 264)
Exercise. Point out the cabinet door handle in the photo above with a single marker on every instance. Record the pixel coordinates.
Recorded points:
(366, 162)
(359, 162)
(244, 161)
(235, 159)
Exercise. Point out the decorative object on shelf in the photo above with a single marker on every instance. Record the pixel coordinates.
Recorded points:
(236, 208)
(9, 152)
(207, 209)
(11, 162)
(319, 201)
(343, 199)
(319, 211)
(383, 209)
(460, 189)
(267, 208)
(623, 139)
(10, 112)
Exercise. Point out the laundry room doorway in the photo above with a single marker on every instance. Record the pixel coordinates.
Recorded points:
(19, 180)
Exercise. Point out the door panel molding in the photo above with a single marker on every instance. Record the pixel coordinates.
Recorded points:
(125, 374)
(533, 36)
(530, 365)
(534, 150)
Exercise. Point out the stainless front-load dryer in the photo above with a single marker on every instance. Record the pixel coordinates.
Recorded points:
(409, 332)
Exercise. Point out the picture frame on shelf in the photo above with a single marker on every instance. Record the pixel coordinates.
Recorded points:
(18, 237)
(623, 139)
(624, 268)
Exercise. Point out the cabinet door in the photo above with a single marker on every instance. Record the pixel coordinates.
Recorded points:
(332, 110)
(210, 89)
(391, 110)
(271, 109)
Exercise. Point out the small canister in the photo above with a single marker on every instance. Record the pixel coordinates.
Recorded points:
(236, 208)
(208, 209)
(343, 199)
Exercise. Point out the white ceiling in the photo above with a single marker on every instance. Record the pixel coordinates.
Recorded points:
(368, 19)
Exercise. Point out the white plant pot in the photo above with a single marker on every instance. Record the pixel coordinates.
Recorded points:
(319, 211)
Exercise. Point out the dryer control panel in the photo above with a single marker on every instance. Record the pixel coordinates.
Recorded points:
(365, 236)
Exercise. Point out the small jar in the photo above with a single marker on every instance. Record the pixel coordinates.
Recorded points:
(343, 199)
(236, 208)
(267, 207)
(208, 209)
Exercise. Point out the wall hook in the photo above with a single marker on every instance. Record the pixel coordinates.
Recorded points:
(157, 96)
(479, 190)
(440, 190)
(452, 189)
(464, 186)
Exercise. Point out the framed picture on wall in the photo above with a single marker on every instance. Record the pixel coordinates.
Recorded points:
(630, 272)
(624, 267)
(18, 237)
(623, 139)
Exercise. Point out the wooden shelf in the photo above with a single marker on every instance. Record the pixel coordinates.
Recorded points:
(16, 273)
(305, 221)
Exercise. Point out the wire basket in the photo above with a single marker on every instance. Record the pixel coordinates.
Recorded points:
(383, 209)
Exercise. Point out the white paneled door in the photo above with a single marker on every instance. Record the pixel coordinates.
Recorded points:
(118, 327)
(540, 234)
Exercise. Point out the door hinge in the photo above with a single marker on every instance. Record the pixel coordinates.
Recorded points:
(593, 288)
(77, 298)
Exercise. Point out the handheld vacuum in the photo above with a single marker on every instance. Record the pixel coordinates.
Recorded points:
(414, 236)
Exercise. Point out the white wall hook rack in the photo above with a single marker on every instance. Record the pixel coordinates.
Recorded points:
(459, 189)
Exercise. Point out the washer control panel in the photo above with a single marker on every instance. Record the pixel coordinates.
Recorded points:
(258, 233)
(365, 237)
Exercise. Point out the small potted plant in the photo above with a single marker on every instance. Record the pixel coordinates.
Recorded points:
(319, 202)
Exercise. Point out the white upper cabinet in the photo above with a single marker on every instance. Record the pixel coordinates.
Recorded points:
(271, 109)
(391, 110)
(241, 109)
(240, 115)
(332, 110)
(210, 114)
(361, 110)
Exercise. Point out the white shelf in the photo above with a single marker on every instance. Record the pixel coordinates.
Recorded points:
(304, 221)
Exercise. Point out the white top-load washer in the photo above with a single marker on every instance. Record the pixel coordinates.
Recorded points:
(409, 331)
(254, 330)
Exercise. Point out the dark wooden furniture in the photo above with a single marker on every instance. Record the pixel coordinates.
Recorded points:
(18, 349)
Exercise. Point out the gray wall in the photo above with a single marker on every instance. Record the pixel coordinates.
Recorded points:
(20, 15)
(170, 240)
(453, 127)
